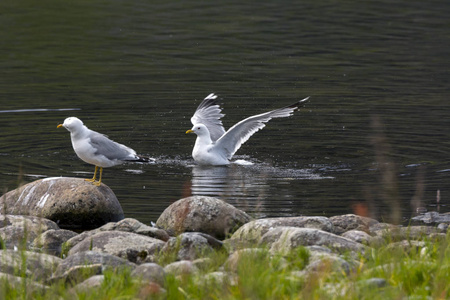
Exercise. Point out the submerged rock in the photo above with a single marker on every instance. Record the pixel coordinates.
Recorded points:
(72, 203)
(202, 214)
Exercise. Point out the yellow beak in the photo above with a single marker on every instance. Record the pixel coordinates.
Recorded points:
(59, 126)
(190, 131)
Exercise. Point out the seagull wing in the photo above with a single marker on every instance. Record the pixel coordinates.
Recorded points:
(209, 113)
(232, 140)
(110, 149)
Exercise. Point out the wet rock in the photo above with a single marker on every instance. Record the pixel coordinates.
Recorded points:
(284, 239)
(202, 214)
(18, 232)
(36, 266)
(192, 245)
(254, 230)
(351, 222)
(127, 245)
(150, 272)
(432, 217)
(180, 268)
(72, 203)
(51, 241)
(87, 258)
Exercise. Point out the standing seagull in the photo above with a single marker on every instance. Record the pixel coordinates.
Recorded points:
(214, 146)
(96, 149)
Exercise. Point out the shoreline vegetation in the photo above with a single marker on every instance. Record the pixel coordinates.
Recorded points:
(204, 248)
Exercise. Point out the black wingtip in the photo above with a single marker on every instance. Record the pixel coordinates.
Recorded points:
(298, 104)
(210, 100)
(145, 159)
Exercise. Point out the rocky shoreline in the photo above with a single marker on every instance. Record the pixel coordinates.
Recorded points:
(36, 218)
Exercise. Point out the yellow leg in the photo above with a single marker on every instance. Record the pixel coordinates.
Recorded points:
(95, 174)
(99, 182)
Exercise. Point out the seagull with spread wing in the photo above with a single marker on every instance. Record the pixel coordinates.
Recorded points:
(214, 146)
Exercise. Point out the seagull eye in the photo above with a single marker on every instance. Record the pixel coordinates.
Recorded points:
(198, 128)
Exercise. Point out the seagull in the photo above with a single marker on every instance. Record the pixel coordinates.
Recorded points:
(97, 149)
(213, 145)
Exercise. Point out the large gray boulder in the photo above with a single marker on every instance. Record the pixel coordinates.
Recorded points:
(202, 214)
(254, 230)
(72, 203)
(127, 245)
(285, 239)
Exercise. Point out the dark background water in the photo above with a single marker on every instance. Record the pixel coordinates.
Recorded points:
(374, 136)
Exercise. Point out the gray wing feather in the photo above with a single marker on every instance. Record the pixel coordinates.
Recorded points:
(111, 149)
(232, 140)
(209, 114)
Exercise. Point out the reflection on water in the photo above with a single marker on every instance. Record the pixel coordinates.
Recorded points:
(248, 185)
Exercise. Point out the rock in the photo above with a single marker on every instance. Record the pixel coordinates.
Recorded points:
(244, 257)
(204, 263)
(432, 217)
(92, 282)
(20, 231)
(18, 283)
(221, 278)
(133, 225)
(202, 214)
(150, 272)
(411, 232)
(126, 225)
(73, 203)
(127, 245)
(181, 268)
(152, 290)
(36, 266)
(78, 273)
(87, 258)
(358, 236)
(328, 262)
(254, 230)
(51, 241)
(351, 222)
(192, 245)
(284, 239)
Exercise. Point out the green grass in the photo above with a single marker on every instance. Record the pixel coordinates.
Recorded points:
(418, 274)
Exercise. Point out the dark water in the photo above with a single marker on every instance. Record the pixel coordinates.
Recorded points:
(136, 71)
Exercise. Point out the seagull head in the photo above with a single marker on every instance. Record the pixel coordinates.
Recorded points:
(200, 130)
(71, 124)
